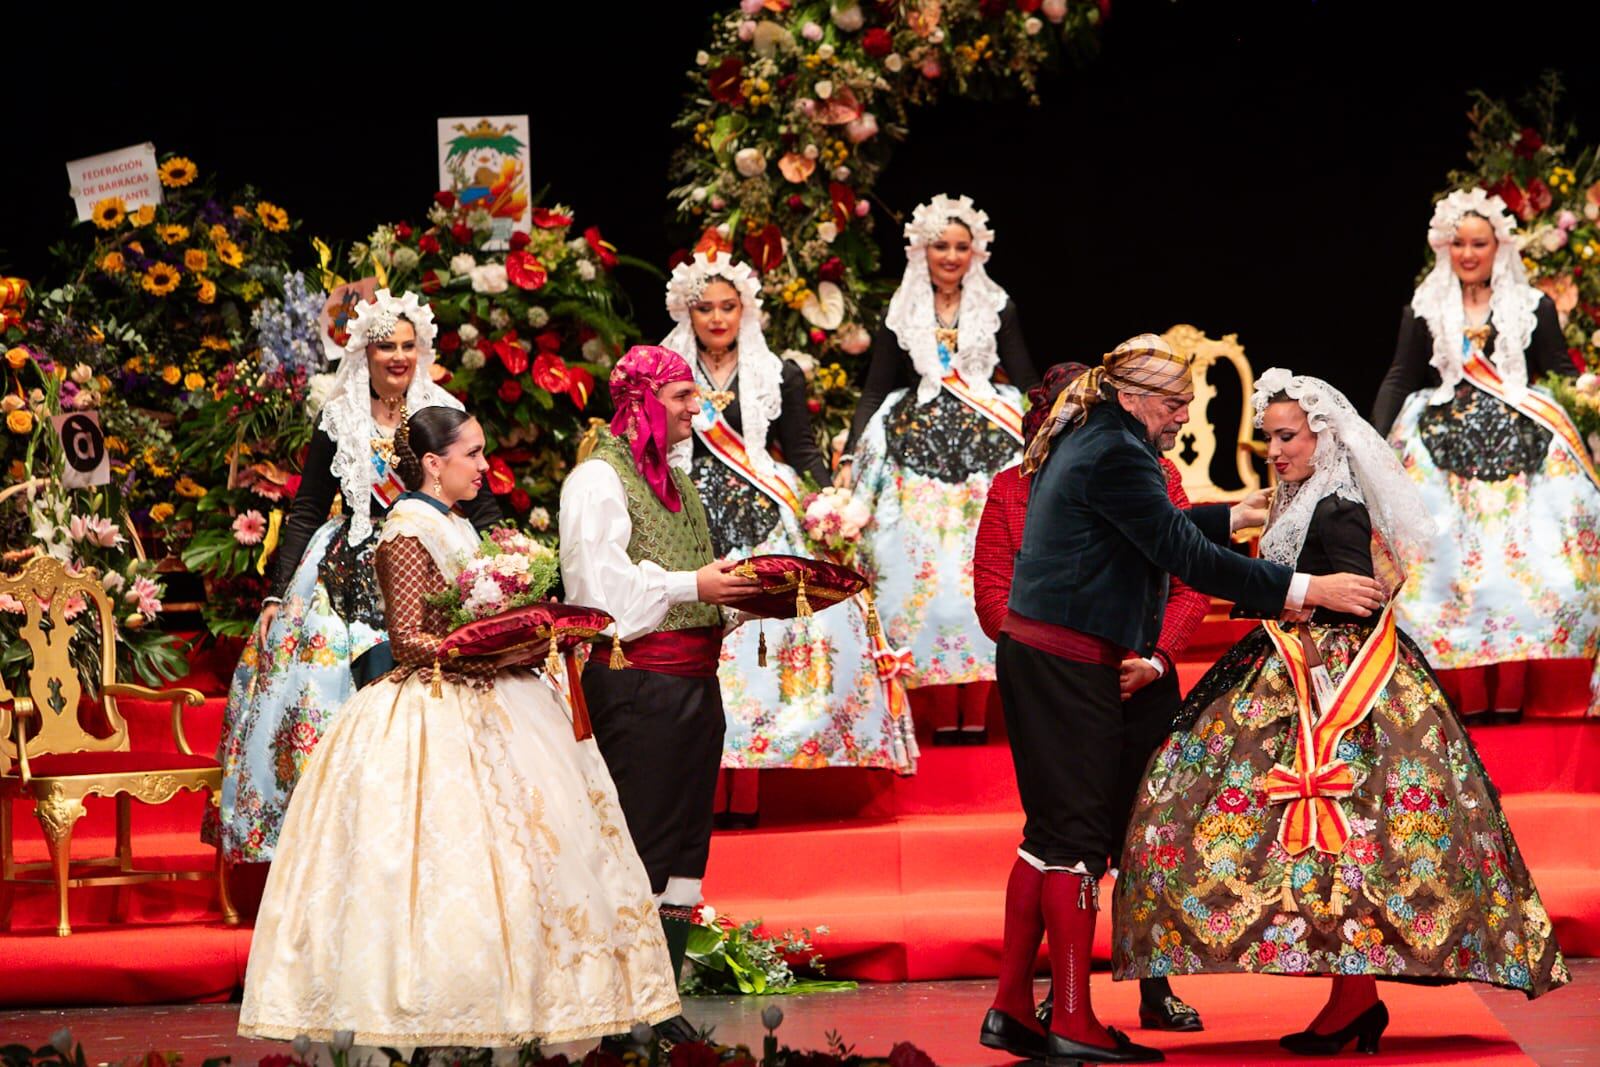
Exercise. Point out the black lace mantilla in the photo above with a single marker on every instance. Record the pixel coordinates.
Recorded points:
(945, 439)
(740, 515)
(1477, 436)
(351, 577)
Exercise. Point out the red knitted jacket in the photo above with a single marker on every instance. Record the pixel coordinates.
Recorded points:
(994, 558)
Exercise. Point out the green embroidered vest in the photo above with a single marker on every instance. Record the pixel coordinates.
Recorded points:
(675, 541)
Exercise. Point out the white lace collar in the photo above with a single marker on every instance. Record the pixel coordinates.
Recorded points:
(450, 539)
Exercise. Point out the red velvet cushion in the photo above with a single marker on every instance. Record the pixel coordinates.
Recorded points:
(825, 584)
(527, 628)
(70, 763)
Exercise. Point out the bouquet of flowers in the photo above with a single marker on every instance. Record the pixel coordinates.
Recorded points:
(730, 957)
(511, 570)
(833, 520)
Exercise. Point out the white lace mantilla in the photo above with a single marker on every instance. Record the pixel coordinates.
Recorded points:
(1351, 461)
(1512, 301)
(911, 312)
(347, 413)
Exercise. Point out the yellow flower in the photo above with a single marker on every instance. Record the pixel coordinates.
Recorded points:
(230, 253)
(20, 421)
(144, 216)
(196, 259)
(109, 213)
(112, 263)
(272, 216)
(17, 357)
(102, 383)
(171, 235)
(208, 291)
(134, 365)
(214, 343)
(162, 512)
(116, 444)
(240, 211)
(188, 487)
(178, 172)
(96, 335)
(218, 233)
(194, 381)
(161, 279)
(171, 374)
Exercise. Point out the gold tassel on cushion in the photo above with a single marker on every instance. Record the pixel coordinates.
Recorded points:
(437, 688)
(802, 606)
(618, 660)
(874, 625)
(1286, 891)
(1337, 897)
(761, 646)
(552, 659)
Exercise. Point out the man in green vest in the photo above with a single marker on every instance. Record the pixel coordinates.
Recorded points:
(635, 543)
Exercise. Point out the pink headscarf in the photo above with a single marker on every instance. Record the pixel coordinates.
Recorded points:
(640, 418)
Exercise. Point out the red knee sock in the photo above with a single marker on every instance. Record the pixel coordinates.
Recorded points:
(1020, 950)
(1070, 903)
(1347, 999)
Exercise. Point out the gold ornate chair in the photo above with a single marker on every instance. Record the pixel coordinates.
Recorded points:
(49, 756)
(1200, 440)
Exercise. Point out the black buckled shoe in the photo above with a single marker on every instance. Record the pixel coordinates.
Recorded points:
(1171, 1014)
(1365, 1030)
(1062, 1052)
(676, 1031)
(1008, 1035)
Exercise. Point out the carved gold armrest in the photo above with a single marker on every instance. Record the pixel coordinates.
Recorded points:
(22, 708)
(178, 698)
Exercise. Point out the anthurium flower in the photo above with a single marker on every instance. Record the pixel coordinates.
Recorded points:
(501, 481)
(525, 270)
(764, 248)
(512, 356)
(603, 250)
(546, 219)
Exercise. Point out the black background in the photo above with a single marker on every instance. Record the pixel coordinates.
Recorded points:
(1265, 169)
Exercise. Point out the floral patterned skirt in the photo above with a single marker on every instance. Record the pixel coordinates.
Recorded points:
(1515, 571)
(818, 701)
(282, 701)
(1430, 884)
(924, 470)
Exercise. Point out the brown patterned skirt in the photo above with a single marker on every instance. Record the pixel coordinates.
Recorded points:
(1430, 886)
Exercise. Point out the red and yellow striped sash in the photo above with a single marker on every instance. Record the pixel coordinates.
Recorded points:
(1536, 406)
(994, 407)
(727, 445)
(1311, 788)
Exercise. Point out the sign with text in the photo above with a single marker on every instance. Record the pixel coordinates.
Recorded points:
(128, 172)
(84, 447)
(484, 162)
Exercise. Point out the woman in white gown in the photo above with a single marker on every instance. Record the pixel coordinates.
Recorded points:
(454, 868)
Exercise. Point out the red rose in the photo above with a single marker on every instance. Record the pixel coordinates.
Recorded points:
(1414, 799)
(1233, 799)
(1267, 951)
(844, 204)
(877, 42)
(449, 342)
(725, 82)
(1508, 190)
(818, 335)
(548, 341)
(431, 282)
(1168, 856)
(764, 248)
(510, 390)
(832, 269)
(525, 271)
(796, 202)
(1539, 196)
(1579, 364)
(445, 199)
(520, 501)
(519, 241)
(603, 250)
(428, 243)
(814, 405)
(402, 230)
(512, 355)
(462, 233)
(546, 219)
(501, 480)
(1529, 143)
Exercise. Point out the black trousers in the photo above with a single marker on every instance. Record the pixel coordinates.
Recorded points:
(1079, 750)
(661, 737)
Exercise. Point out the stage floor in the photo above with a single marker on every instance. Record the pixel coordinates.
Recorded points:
(1462, 1024)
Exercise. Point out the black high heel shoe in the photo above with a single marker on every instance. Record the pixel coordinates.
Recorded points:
(1364, 1030)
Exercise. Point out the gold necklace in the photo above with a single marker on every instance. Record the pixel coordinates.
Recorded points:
(718, 398)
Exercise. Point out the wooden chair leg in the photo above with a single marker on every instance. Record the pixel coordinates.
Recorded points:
(57, 814)
(229, 914)
(120, 893)
(7, 870)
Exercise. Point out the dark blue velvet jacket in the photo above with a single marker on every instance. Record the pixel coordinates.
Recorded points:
(1101, 537)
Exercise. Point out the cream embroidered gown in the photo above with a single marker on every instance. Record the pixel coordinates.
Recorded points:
(453, 870)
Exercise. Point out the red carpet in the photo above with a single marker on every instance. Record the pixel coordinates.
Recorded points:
(906, 873)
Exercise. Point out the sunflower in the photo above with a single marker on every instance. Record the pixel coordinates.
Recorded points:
(208, 291)
(171, 374)
(272, 216)
(194, 381)
(116, 444)
(162, 512)
(161, 278)
(230, 253)
(20, 421)
(144, 216)
(171, 235)
(109, 213)
(218, 233)
(178, 172)
(196, 259)
(112, 263)
(188, 487)
(212, 343)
